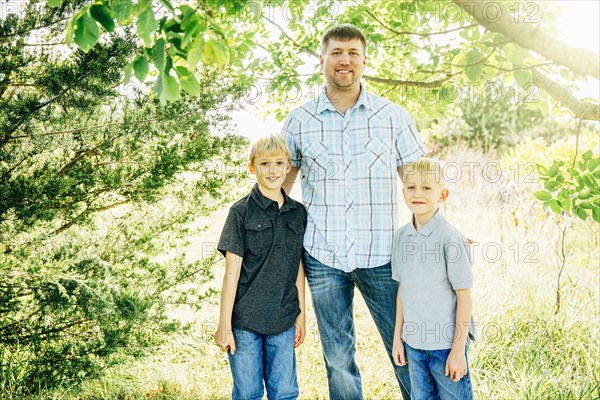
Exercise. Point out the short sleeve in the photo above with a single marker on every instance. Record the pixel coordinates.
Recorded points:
(409, 145)
(289, 130)
(458, 262)
(233, 234)
(396, 256)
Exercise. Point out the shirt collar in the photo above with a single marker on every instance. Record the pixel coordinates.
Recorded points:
(264, 202)
(430, 226)
(325, 104)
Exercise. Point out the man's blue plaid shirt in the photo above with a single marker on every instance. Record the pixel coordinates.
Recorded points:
(349, 176)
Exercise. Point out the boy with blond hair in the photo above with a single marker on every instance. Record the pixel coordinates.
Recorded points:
(430, 260)
(262, 316)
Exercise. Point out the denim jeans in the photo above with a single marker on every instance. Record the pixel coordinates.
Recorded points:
(264, 358)
(333, 294)
(427, 369)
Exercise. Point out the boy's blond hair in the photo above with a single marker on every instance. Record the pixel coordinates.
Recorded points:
(269, 144)
(428, 167)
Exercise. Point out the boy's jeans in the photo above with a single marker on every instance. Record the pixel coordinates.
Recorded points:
(427, 369)
(332, 294)
(264, 357)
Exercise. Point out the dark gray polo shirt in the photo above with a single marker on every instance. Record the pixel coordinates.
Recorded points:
(431, 263)
(269, 240)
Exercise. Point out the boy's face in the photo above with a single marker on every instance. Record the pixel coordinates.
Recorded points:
(270, 170)
(423, 193)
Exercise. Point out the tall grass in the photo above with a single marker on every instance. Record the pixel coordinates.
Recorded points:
(524, 350)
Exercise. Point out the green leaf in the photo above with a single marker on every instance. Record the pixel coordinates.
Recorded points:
(596, 214)
(122, 10)
(586, 205)
(473, 72)
(555, 206)
(189, 83)
(584, 196)
(573, 172)
(523, 78)
(167, 88)
(587, 155)
(551, 185)
(104, 16)
(146, 22)
(158, 54)
(86, 32)
(593, 164)
(54, 3)
(515, 53)
(140, 66)
(583, 165)
(542, 195)
(553, 169)
(215, 52)
(69, 34)
(543, 171)
(195, 54)
(127, 71)
(581, 213)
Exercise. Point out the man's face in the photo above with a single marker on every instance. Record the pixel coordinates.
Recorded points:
(343, 63)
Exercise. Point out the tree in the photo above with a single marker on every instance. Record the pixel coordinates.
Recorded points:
(97, 181)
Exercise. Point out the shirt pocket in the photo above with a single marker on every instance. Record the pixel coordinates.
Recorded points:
(378, 153)
(314, 163)
(259, 235)
(294, 235)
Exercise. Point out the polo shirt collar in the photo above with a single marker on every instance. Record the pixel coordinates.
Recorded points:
(264, 202)
(325, 104)
(430, 226)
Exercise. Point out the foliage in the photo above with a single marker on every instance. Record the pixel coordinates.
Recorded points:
(99, 184)
(489, 120)
(175, 37)
(574, 189)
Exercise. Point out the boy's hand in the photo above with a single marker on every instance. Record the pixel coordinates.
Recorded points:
(456, 365)
(398, 352)
(224, 338)
(300, 325)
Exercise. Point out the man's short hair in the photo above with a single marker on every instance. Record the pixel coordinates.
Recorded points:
(343, 32)
(270, 144)
(428, 167)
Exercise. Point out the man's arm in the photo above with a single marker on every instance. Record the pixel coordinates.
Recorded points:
(456, 365)
(224, 334)
(290, 180)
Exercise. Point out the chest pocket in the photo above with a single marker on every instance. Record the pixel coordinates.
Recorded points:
(378, 153)
(315, 161)
(294, 235)
(259, 234)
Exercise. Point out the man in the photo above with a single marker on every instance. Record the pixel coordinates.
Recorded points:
(350, 145)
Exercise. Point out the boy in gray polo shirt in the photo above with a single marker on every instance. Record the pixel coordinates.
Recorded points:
(431, 262)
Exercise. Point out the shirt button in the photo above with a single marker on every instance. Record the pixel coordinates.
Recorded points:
(347, 141)
(259, 225)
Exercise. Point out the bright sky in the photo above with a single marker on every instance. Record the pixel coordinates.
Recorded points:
(578, 25)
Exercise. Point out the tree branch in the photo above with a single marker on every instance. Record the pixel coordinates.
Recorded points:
(580, 61)
(581, 109)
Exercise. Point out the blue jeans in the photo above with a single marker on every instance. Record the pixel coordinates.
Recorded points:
(268, 358)
(333, 294)
(427, 369)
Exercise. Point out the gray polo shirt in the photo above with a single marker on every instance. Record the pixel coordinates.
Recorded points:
(431, 264)
(269, 240)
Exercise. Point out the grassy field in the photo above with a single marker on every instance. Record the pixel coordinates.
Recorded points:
(524, 351)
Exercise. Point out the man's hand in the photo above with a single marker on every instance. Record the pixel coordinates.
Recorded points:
(398, 352)
(456, 365)
(224, 338)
